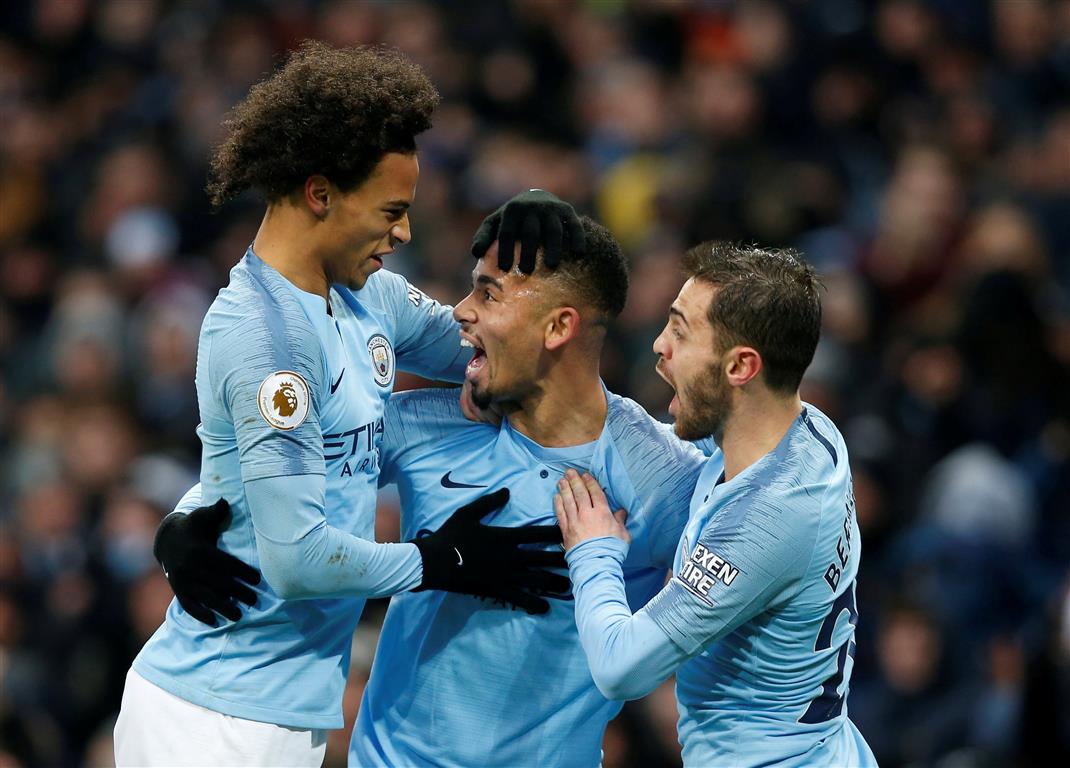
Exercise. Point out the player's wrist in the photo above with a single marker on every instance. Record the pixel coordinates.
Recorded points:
(606, 545)
(430, 567)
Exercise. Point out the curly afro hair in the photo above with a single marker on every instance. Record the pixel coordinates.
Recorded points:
(328, 111)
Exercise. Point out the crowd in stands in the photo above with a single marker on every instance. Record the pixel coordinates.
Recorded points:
(918, 153)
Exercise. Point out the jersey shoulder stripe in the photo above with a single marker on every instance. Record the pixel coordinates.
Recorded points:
(417, 422)
(662, 470)
(653, 453)
(436, 411)
(260, 327)
(809, 422)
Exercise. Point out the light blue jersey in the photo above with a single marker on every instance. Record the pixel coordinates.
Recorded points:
(291, 402)
(458, 681)
(758, 620)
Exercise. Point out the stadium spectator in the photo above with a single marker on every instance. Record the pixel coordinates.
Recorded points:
(785, 123)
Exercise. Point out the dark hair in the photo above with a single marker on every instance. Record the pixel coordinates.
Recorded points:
(331, 111)
(598, 278)
(768, 299)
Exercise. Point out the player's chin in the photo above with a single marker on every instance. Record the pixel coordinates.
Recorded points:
(364, 270)
(479, 389)
(690, 426)
(680, 422)
(685, 430)
(481, 398)
(357, 278)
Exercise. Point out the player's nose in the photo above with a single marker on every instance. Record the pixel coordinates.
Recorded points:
(661, 343)
(464, 311)
(400, 232)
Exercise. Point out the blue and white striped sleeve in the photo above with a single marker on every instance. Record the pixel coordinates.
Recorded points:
(301, 556)
(748, 555)
(753, 550)
(267, 368)
(629, 655)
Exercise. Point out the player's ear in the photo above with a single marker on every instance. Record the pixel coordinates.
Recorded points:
(562, 326)
(317, 195)
(742, 364)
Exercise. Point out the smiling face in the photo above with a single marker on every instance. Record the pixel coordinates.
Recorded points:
(688, 361)
(502, 320)
(366, 223)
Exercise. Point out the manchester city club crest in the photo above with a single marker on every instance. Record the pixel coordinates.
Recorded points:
(382, 359)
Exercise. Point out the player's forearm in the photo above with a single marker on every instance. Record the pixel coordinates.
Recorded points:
(303, 557)
(629, 655)
(329, 563)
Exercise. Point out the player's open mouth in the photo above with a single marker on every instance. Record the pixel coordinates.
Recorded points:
(479, 357)
(674, 404)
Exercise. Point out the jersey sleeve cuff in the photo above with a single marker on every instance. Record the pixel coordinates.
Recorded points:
(603, 546)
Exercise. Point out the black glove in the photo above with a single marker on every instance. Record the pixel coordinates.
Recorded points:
(487, 561)
(204, 577)
(538, 218)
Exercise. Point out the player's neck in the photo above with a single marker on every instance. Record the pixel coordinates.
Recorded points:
(757, 425)
(282, 242)
(568, 409)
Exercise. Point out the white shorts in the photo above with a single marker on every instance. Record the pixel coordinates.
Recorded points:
(158, 728)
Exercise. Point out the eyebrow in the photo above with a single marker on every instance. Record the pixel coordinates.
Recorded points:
(673, 311)
(403, 204)
(488, 280)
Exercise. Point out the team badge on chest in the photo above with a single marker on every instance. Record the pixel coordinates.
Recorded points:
(283, 399)
(382, 359)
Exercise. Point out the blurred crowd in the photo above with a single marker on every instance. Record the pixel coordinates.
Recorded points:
(917, 152)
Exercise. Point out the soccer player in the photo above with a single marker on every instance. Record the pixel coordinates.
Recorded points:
(758, 618)
(296, 360)
(454, 682)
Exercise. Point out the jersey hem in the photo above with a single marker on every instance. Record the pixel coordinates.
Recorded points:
(243, 710)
